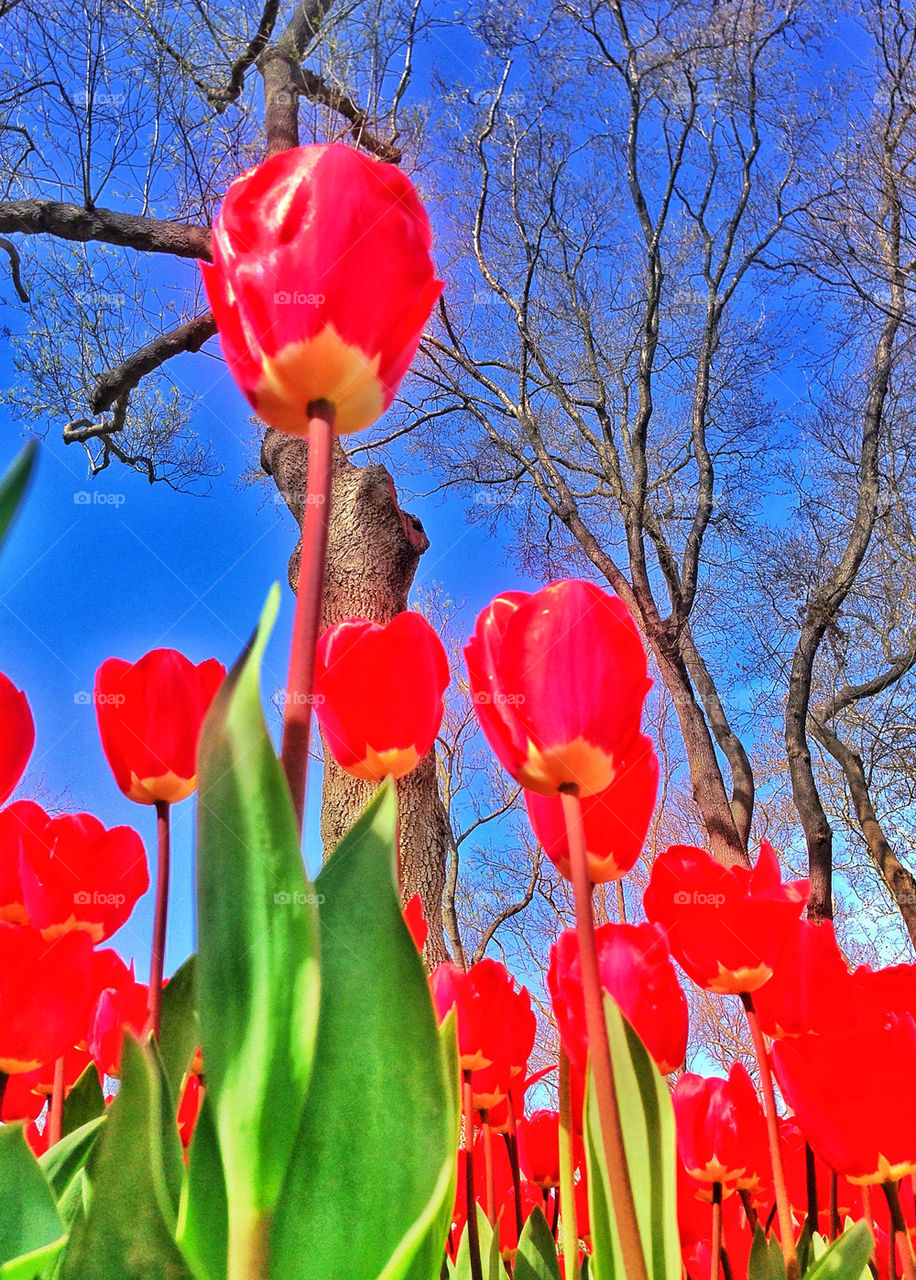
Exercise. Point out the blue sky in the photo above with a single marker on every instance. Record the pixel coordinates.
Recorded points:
(114, 567)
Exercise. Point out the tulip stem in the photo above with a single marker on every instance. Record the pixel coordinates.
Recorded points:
(569, 1227)
(512, 1144)
(56, 1108)
(316, 509)
(470, 1195)
(898, 1225)
(716, 1249)
(749, 1211)
(834, 1205)
(783, 1209)
(634, 1262)
(488, 1165)
(811, 1188)
(157, 963)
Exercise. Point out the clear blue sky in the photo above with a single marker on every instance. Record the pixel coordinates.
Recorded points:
(138, 567)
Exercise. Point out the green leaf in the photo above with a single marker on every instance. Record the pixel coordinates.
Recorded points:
(203, 1230)
(62, 1162)
(490, 1263)
(29, 1222)
(129, 1229)
(647, 1119)
(257, 962)
(179, 1036)
(846, 1259)
(85, 1101)
(537, 1250)
(375, 1154)
(13, 486)
(71, 1206)
(765, 1261)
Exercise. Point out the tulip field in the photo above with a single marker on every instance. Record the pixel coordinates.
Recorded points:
(302, 1098)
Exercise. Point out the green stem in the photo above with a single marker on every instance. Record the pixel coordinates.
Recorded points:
(249, 1247)
(716, 1250)
(898, 1226)
(569, 1227)
(783, 1208)
(160, 922)
(624, 1207)
(470, 1197)
(488, 1165)
(56, 1107)
(297, 713)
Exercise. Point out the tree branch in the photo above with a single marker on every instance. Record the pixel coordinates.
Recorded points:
(125, 376)
(74, 222)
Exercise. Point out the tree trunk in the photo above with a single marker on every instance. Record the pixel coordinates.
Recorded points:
(373, 551)
(900, 882)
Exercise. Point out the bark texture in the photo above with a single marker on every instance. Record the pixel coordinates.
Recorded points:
(373, 552)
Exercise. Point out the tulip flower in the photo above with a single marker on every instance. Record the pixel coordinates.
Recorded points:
(121, 1006)
(378, 693)
(721, 1130)
(552, 729)
(321, 284)
(189, 1109)
(614, 821)
(416, 922)
(18, 822)
(20, 1100)
(46, 990)
(539, 1148)
(77, 875)
(17, 736)
(495, 1022)
(636, 969)
(810, 989)
(726, 926)
(150, 714)
(844, 1088)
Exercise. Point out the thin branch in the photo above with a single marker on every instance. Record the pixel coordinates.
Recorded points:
(125, 376)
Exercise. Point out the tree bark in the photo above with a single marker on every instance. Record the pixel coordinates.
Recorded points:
(900, 882)
(373, 552)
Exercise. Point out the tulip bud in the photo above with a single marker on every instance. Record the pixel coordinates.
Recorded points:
(321, 284)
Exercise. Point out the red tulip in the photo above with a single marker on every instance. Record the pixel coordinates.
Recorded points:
(614, 821)
(810, 986)
(20, 1100)
(378, 693)
(721, 1130)
(539, 1148)
(726, 926)
(189, 1109)
(882, 991)
(77, 875)
(321, 284)
(18, 821)
(495, 1022)
(46, 991)
(17, 736)
(416, 922)
(558, 680)
(121, 1006)
(844, 1088)
(636, 969)
(150, 714)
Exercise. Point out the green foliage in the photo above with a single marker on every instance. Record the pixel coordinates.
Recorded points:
(373, 1207)
(31, 1229)
(845, 1259)
(647, 1119)
(257, 966)
(537, 1252)
(13, 487)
